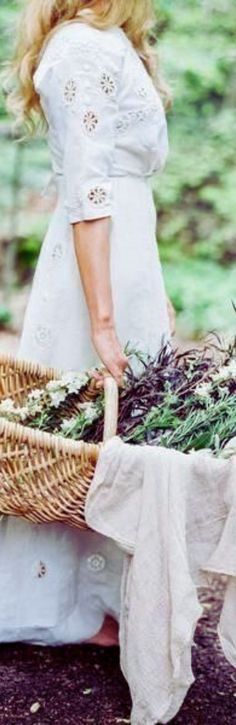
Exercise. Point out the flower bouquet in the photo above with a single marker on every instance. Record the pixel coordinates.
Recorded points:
(178, 400)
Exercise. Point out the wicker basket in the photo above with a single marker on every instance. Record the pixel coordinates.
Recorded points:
(44, 477)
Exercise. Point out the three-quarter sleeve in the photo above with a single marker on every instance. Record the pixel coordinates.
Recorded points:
(88, 78)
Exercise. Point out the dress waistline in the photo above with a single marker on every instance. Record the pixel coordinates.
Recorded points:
(56, 179)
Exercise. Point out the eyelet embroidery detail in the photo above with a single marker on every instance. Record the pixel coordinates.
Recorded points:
(96, 562)
(107, 84)
(122, 124)
(97, 195)
(70, 91)
(88, 60)
(141, 92)
(40, 569)
(43, 336)
(57, 252)
(127, 119)
(90, 122)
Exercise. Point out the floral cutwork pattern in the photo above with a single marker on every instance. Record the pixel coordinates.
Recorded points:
(141, 92)
(123, 124)
(97, 195)
(70, 91)
(40, 570)
(43, 336)
(107, 84)
(125, 121)
(90, 122)
(57, 252)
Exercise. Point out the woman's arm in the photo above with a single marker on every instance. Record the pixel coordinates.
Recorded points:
(92, 247)
(89, 114)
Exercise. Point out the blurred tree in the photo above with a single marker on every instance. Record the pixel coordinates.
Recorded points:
(196, 195)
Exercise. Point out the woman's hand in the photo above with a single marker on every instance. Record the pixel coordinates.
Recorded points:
(110, 352)
(172, 316)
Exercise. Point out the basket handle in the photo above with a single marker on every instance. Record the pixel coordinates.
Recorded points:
(111, 407)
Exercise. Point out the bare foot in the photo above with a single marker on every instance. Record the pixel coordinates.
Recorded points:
(108, 635)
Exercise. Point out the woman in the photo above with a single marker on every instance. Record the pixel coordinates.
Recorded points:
(86, 66)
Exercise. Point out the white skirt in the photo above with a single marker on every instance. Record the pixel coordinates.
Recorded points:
(58, 583)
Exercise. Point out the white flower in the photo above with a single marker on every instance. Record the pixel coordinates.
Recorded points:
(8, 409)
(35, 401)
(70, 382)
(223, 391)
(203, 391)
(54, 385)
(221, 374)
(232, 368)
(35, 408)
(21, 413)
(225, 372)
(67, 425)
(35, 395)
(90, 411)
(7, 406)
(74, 381)
(57, 398)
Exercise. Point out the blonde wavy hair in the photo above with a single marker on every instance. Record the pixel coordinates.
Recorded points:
(39, 21)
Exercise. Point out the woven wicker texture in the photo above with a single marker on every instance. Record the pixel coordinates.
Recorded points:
(43, 477)
(17, 378)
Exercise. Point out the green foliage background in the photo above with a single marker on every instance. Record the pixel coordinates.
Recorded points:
(196, 193)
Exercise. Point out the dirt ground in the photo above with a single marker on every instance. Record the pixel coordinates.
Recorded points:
(83, 685)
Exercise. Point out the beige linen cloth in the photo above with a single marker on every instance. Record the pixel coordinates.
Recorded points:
(174, 516)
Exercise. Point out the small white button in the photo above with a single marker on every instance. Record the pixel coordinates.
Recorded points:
(96, 562)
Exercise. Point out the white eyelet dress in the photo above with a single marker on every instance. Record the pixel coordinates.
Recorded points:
(107, 134)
